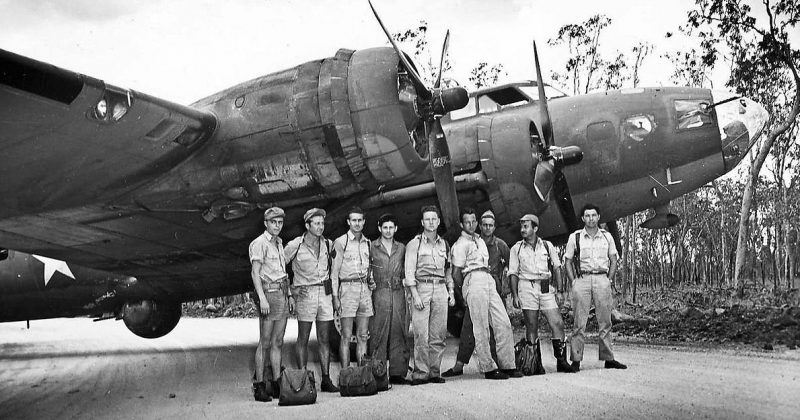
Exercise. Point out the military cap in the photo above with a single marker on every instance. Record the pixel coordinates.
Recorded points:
(313, 212)
(273, 212)
(487, 213)
(530, 218)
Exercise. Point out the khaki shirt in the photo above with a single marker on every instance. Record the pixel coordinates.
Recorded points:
(470, 253)
(308, 269)
(426, 259)
(268, 250)
(351, 260)
(596, 250)
(529, 262)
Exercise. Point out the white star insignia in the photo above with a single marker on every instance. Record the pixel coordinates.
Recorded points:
(51, 266)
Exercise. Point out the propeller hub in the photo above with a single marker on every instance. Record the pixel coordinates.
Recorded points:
(450, 99)
(564, 156)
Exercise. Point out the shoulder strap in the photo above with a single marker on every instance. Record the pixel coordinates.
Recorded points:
(577, 261)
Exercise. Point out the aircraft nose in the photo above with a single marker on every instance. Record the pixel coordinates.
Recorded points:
(741, 122)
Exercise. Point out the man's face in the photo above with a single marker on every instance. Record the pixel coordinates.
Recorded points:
(316, 225)
(274, 225)
(590, 218)
(487, 226)
(469, 223)
(528, 229)
(356, 222)
(388, 229)
(430, 221)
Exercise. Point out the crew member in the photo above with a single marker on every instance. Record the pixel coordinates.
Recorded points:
(591, 278)
(498, 262)
(310, 257)
(352, 287)
(274, 301)
(429, 281)
(471, 273)
(389, 337)
(532, 264)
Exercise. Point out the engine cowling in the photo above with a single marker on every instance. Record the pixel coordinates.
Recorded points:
(150, 318)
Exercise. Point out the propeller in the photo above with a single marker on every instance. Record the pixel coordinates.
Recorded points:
(552, 157)
(431, 105)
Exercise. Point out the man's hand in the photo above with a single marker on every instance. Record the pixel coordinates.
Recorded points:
(291, 305)
(560, 299)
(372, 286)
(418, 303)
(451, 298)
(515, 302)
(337, 305)
(264, 306)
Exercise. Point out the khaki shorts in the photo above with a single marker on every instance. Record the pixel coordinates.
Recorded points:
(278, 303)
(356, 300)
(312, 304)
(532, 299)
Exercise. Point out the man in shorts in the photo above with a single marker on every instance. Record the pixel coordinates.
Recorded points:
(274, 301)
(352, 286)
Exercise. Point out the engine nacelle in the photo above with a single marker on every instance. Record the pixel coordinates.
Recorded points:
(150, 318)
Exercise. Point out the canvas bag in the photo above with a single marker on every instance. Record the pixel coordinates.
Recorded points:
(357, 381)
(525, 357)
(297, 387)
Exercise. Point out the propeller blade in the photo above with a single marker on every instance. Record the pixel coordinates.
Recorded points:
(422, 90)
(441, 61)
(543, 180)
(544, 113)
(443, 174)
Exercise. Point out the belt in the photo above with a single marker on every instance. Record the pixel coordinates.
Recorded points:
(438, 280)
(355, 280)
(593, 272)
(535, 280)
(480, 270)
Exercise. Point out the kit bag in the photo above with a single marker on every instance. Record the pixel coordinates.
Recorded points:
(525, 357)
(357, 381)
(297, 387)
(379, 371)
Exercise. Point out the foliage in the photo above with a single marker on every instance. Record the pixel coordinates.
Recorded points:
(484, 75)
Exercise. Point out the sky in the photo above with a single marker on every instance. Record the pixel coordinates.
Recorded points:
(183, 50)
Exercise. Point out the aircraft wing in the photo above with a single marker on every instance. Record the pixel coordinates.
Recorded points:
(69, 144)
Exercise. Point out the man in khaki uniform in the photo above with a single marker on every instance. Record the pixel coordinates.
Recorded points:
(310, 256)
(430, 284)
(274, 301)
(533, 262)
(591, 279)
(352, 286)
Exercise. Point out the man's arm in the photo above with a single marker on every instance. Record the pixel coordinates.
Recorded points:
(410, 282)
(513, 275)
(262, 298)
(612, 267)
(448, 279)
(336, 265)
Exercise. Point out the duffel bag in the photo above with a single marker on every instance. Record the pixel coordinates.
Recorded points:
(379, 371)
(525, 357)
(297, 387)
(357, 381)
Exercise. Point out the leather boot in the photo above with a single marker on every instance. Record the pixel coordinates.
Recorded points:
(538, 369)
(260, 392)
(560, 353)
(276, 389)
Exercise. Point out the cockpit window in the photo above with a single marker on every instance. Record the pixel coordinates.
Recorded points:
(114, 104)
(486, 105)
(638, 127)
(693, 114)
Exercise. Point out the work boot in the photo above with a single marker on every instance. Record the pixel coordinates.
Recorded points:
(276, 389)
(512, 373)
(576, 366)
(495, 374)
(560, 353)
(613, 364)
(398, 380)
(260, 392)
(326, 385)
(538, 369)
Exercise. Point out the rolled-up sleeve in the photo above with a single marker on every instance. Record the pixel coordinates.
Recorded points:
(458, 254)
(554, 255)
(336, 265)
(513, 261)
(411, 263)
(570, 251)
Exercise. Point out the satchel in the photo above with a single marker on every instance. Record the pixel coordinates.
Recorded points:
(379, 371)
(357, 381)
(297, 387)
(525, 357)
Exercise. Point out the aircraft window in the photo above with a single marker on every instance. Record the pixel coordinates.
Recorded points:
(116, 100)
(692, 114)
(638, 127)
(3, 254)
(466, 112)
(487, 104)
(550, 91)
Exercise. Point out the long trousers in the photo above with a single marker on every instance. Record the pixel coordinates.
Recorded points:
(586, 288)
(466, 344)
(430, 330)
(388, 330)
(487, 310)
